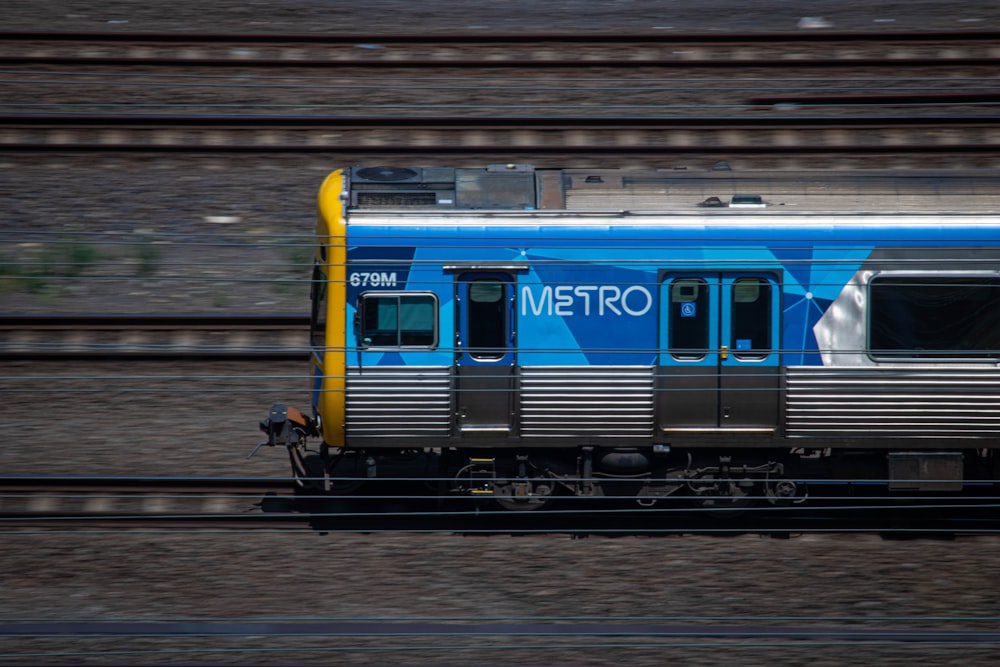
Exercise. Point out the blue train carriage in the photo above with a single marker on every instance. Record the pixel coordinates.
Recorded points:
(526, 335)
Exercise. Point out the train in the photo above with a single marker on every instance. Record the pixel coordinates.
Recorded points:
(532, 333)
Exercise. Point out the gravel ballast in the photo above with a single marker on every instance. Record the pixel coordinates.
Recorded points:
(201, 419)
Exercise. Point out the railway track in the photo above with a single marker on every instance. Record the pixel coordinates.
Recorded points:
(59, 502)
(719, 136)
(252, 337)
(639, 96)
(494, 50)
(31, 502)
(654, 633)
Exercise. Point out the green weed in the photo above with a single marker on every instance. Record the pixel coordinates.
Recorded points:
(148, 255)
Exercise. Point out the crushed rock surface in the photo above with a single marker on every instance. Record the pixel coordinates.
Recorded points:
(828, 582)
(142, 419)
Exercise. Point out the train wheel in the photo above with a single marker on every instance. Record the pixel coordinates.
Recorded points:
(322, 475)
(518, 494)
(785, 492)
(523, 494)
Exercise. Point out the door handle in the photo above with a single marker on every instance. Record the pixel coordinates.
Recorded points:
(724, 352)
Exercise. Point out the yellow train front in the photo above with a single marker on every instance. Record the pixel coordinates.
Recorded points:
(525, 333)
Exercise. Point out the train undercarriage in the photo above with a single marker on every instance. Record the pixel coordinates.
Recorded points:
(532, 478)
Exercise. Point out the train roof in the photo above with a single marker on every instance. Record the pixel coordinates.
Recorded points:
(717, 190)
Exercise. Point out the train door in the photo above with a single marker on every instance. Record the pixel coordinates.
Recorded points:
(484, 352)
(719, 352)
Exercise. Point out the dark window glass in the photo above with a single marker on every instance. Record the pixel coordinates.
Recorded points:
(689, 305)
(487, 319)
(317, 330)
(751, 313)
(417, 317)
(934, 316)
(398, 320)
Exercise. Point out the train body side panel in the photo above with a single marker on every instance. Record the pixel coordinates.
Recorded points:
(591, 329)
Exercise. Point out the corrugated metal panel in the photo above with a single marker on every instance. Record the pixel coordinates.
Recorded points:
(402, 402)
(893, 402)
(580, 401)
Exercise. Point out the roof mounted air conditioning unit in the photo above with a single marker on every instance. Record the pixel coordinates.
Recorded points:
(386, 175)
(402, 187)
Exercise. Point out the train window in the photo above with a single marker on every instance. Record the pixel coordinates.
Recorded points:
(751, 313)
(689, 306)
(398, 320)
(487, 322)
(318, 293)
(920, 317)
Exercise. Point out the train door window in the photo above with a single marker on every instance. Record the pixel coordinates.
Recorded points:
(398, 320)
(919, 317)
(689, 317)
(487, 318)
(751, 318)
(318, 293)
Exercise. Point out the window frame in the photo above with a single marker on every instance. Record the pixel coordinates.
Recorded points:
(488, 353)
(765, 295)
(915, 355)
(361, 309)
(690, 353)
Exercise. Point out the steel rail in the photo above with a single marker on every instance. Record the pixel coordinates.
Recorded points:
(327, 122)
(91, 484)
(983, 97)
(509, 62)
(525, 37)
(596, 630)
(518, 63)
